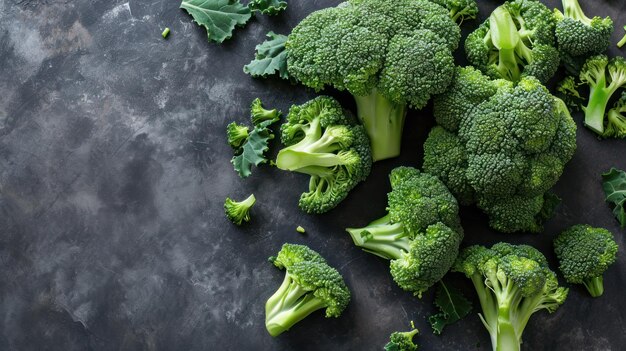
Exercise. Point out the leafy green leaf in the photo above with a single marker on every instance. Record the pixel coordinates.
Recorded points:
(253, 150)
(452, 305)
(614, 186)
(270, 57)
(267, 7)
(218, 17)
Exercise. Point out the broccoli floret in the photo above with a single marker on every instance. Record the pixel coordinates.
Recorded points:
(310, 284)
(579, 35)
(605, 77)
(328, 145)
(517, 40)
(500, 145)
(238, 212)
(389, 54)
(512, 282)
(258, 114)
(616, 120)
(460, 10)
(420, 234)
(236, 134)
(584, 254)
(402, 341)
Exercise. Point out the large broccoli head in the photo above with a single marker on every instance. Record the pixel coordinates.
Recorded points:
(326, 143)
(500, 145)
(584, 254)
(517, 40)
(421, 232)
(388, 54)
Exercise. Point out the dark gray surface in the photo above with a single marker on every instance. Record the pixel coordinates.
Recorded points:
(114, 168)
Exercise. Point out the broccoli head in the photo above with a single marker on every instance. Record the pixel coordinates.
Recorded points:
(310, 284)
(402, 341)
(238, 212)
(584, 254)
(327, 144)
(517, 40)
(604, 77)
(500, 145)
(420, 233)
(579, 35)
(512, 282)
(389, 54)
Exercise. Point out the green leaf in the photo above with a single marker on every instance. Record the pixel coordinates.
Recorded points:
(267, 7)
(270, 57)
(253, 150)
(452, 305)
(218, 17)
(614, 186)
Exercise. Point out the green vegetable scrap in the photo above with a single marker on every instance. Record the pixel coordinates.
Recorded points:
(166, 33)
(267, 7)
(615, 190)
(300, 230)
(218, 17)
(453, 306)
(270, 58)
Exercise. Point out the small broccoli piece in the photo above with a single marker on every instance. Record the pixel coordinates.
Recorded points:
(420, 234)
(567, 90)
(402, 341)
(236, 134)
(517, 40)
(310, 284)
(388, 54)
(325, 143)
(460, 10)
(579, 35)
(605, 77)
(616, 120)
(259, 114)
(512, 282)
(300, 230)
(584, 254)
(238, 212)
(622, 41)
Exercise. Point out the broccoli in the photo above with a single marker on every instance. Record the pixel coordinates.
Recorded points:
(421, 232)
(238, 212)
(501, 146)
(460, 10)
(310, 284)
(622, 41)
(584, 253)
(325, 143)
(402, 341)
(236, 134)
(388, 54)
(517, 40)
(616, 120)
(605, 77)
(579, 35)
(512, 283)
(258, 114)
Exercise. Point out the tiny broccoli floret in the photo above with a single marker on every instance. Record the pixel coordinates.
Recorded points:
(258, 114)
(389, 54)
(584, 254)
(517, 40)
(236, 134)
(460, 10)
(616, 120)
(325, 143)
(605, 77)
(420, 234)
(579, 35)
(238, 212)
(402, 341)
(512, 283)
(310, 284)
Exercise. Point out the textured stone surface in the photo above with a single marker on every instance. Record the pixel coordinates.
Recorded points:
(114, 168)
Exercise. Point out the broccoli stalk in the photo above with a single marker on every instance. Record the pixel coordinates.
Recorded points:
(506, 38)
(382, 238)
(622, 41)
(384, 122)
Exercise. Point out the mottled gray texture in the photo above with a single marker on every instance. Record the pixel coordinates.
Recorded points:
(114, 168)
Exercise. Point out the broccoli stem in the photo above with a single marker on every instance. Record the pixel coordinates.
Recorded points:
(596, 108)
(506, 339)
(384, 121)
(294, 160)
(595, 286)
(382, 238)
(572, 9)
(505, 37)
(289, 305)
(623, 41)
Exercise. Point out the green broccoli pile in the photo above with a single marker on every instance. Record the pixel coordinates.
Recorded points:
(502, 146)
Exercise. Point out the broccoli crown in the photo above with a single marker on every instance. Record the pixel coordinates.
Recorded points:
(258, 114)
(324, 142)
(500, 145)
(512, 283)
(516, 41)
(236, 134)
(421, 232)
(310, 284)
(616, 121)
(584, 253)
(402, 341)
(460, 10)
(238, 212)
(579, 35)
